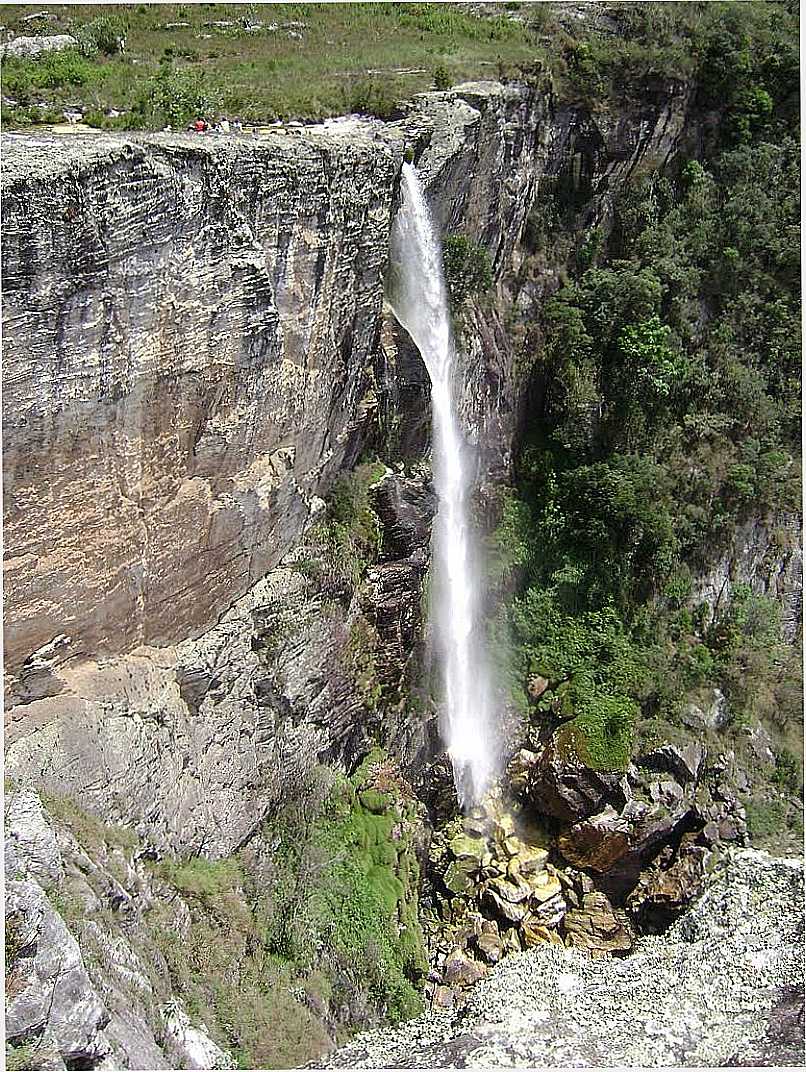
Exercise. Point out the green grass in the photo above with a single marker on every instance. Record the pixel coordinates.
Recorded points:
(367, 898)
(288, 943)
(206, 880)
(266, 74)
(30, 1056)
(87, 828)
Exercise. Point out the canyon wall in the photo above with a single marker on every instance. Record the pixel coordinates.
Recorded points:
(197, 348)
(193, 351)
(189, 330)
(195, 345)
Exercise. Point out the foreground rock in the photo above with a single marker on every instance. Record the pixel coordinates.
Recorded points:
(34, 47)
(105, 1002)
(709, 992)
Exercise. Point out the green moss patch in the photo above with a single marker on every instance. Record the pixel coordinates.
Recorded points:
(367, 899)
(602, 736)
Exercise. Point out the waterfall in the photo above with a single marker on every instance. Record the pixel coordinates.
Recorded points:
(420, 303)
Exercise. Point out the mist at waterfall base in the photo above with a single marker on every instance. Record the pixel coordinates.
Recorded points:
(420, 302)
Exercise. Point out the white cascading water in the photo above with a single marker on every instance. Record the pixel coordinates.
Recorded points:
(420, 302)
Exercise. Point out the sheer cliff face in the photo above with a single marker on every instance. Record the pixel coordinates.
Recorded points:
(192, 333)
(189, 330)
(195, 345)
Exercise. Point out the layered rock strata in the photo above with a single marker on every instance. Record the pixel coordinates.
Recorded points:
(192, 354)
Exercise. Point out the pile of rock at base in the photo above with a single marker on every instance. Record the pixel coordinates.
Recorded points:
(498, 894)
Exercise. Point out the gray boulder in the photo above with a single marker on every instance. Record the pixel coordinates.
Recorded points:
(33, 47)
(31, 848)
(49, 990)
(684, 762)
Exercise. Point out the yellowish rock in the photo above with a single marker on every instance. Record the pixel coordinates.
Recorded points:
(544, 886)
(533, 934)
(532, 860)
(506, 822)
(513, 845)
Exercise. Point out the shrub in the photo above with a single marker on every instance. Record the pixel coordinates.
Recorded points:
(442, 78)
(765, 819)
(54, 70)
(206, 880)
(175, 96)
(468, 268)
(15, 939)
(31, 1056)
(349, 535)
(788, 772)
(373, 98)
(104, 34)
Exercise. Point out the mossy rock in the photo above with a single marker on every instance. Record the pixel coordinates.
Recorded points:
(464, 847)
(602, 736)
(375, 801)
(456, 879)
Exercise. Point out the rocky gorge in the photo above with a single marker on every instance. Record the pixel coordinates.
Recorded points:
(217, 519)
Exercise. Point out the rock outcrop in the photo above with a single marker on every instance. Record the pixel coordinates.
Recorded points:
(192, 354)
(33, 47)
(105, 1003)
(723, 986)
(644, 836)
(189, 331)
(767, 555)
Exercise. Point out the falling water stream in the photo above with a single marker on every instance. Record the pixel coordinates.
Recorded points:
(420, 303)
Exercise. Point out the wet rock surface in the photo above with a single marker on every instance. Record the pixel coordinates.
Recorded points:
(713, 987)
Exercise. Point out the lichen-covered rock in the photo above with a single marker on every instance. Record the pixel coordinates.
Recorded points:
(188, 1046)
(50, 992)
(33, 47)
(88, 994)
(456, 879)
(711, 991)
(31, 848)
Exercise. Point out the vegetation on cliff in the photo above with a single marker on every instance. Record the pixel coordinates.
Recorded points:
(665, 415)
(309, 931)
